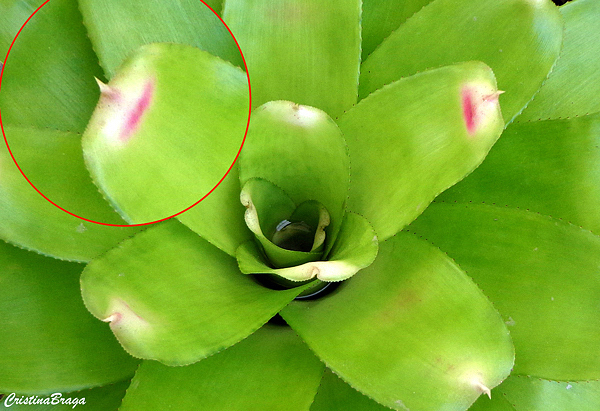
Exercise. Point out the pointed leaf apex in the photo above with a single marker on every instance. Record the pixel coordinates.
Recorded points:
(105, 89)
(481, 387)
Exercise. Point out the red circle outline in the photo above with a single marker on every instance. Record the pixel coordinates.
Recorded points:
(151, 222)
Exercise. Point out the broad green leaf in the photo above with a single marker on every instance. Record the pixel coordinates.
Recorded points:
(48, 78)
(50, 343)
(413, 139)
(335, 394)
(106, 398)
(547, 166)
(53, 162)
(381, 17)
(535, 394)
(573, 87)
(541, 274)
(270, 370)
(166, 130)
(266, 207)
(171, 296)
(355, 248)
(117, 28)
(13, 13)
(306, 51)
(301, 150)
(519, 39)
(497, 403)
(219, 218)
(411, 331)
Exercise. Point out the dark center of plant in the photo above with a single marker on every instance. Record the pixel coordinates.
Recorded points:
(297, 236)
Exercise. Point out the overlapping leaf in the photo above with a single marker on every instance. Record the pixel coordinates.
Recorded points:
(50, 343)
(171, 296)
(270, 370)
(411, 333)
(541, 274)
(519, 39)
(307, 52)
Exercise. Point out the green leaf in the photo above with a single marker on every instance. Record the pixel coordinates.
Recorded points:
(307, 52)
(13, 13)
(548, 166)
(335, 394)
(48, 78)
(118, 28)
(53, 162)
(413, 139)
(166, 130)
(50, 343)
(535, 394)
(301, 150)
(270, 370)
(497, 403)
(171, 296)
(219, 218)
(541, 274)
(355, 248)
(519, 39)
(106, 398)
(573, 87)
(411, 331)
(381, 17)
(267, 206)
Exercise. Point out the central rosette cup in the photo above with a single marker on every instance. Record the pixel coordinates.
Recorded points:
(294, 174)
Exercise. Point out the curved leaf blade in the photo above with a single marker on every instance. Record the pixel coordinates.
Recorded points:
(534, 394)
(547, 166)
(541, 274)
(53, 162)
(171, 296)
(48, 78)
(307, 52)
(416, 137)
(355, 248)
(411, 333)
(381, 17)
(519, 39)
(166, 130)
(50, 343)
(270, 370)
(335, 394)
(118, 28)
(301, 150)
(573, 87)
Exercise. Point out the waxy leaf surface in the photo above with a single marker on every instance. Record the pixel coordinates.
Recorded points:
(53, 162)
(306, 51)
(573, 87)
(48, 78)
(166, 130)
(415, 138)
(411, 333)
(536, 394)
(546, 166)
(335, 394)
(519, 39)
(50, 343)
(270, 370)
(542, 274)
(117, 28)
(171, 296)
(381, 17)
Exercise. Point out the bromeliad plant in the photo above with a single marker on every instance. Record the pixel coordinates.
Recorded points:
(305, 281)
